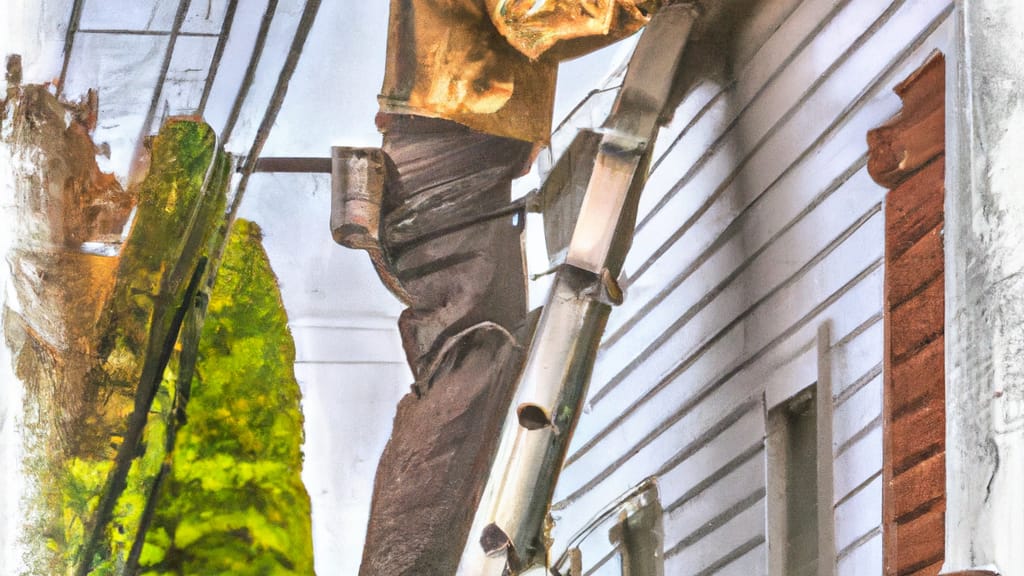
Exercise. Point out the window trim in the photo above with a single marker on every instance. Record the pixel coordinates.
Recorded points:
(810, 373)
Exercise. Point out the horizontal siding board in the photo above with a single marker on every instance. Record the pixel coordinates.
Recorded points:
(842, 149)
(688, 435)
(790, 208)
(847, 312)
(791, 376)
(729, 278)
(856, 414)
(789, 298)
(753, 562)
(768, 219)
(712, 473)
(720, 544)
(857, 464)
(698, 102)
(687, 200)
(687, 148)
(766, 101)
(829, 276)
(853, 359)
(753, 34)
(867, 71)
(808, 33)
(798, 30)
(780, 203)
(784, 308)
(859, 514)
(822, 62)
(759, 224)
(683, 481)
(688, 479)
(865, 560)
(695, 518)
(723, 516)
(600, 485)
(859, 383)
(801, 28)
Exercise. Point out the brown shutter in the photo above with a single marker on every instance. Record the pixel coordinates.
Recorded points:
(907, 155)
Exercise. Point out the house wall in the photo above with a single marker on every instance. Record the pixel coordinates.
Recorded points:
(759, 228)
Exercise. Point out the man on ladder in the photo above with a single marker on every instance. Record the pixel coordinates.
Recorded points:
(467, 101)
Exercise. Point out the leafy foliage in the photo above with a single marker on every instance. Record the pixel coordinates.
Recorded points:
(234, 502)
(164, 244)
(85, 480)
(175, 212)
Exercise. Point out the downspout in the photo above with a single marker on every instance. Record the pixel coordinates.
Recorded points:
(509, 532)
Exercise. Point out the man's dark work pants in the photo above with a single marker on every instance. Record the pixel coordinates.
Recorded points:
(468, 296)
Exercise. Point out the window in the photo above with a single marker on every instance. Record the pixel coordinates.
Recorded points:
(798, 450)
(623, 540)
(793, 502)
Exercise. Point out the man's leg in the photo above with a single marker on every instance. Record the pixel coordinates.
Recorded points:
(468, 293)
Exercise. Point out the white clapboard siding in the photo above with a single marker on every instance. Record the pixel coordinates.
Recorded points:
(766, 138)
(751, 560)
(715, 394)
(795, 299)
(691, 523)
(857, 416)
(859, 517)
(855, 358)
(705, 294)
(683, 481)
(355, 362)
(863, 560)
(857, 466)
(724, 543)
(759, 225)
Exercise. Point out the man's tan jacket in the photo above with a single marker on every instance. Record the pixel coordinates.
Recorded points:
(492, 64)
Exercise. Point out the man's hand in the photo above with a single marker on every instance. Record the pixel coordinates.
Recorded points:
(643, 8)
